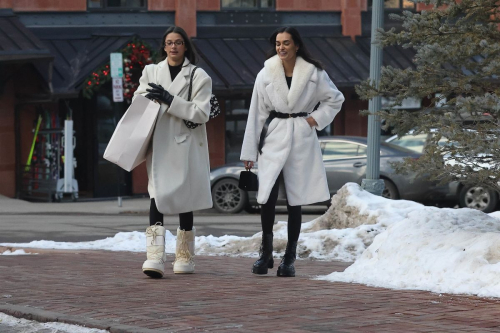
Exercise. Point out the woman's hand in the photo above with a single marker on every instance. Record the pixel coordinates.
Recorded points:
(311, 121)
(248, 164)
(157, 92)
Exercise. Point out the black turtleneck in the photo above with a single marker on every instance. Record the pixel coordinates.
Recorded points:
(174, 70)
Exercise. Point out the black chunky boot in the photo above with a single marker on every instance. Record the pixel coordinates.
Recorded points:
(266, 255)
(287, 269)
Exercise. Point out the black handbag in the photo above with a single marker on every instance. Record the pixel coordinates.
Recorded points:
(248, 181)
(214, 104)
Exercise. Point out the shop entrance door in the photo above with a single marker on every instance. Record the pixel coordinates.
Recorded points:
(109, 179)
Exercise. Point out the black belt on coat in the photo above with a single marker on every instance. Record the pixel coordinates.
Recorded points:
(274, 114)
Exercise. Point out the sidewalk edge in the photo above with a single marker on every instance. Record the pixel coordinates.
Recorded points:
(44, 316)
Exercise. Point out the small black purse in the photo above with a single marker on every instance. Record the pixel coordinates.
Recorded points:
(248, 181)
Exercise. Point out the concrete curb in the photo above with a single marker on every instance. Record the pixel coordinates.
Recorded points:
(44, 316)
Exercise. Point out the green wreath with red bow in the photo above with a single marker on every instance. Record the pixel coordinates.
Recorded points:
(136, 55)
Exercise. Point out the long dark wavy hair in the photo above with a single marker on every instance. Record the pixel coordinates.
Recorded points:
(190, 54)
(303, 52)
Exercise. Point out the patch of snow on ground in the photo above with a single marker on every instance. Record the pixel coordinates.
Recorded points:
(15, 253)
(343, 233)
(29, 326)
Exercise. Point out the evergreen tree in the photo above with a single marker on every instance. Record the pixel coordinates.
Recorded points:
(456, 75)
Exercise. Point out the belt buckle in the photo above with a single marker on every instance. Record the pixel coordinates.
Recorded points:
(290, 115)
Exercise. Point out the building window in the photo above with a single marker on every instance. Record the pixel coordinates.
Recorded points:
(236, 122)
(247, 4)
(116, 4)
(396, 4)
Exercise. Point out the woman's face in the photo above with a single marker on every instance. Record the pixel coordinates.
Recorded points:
(175, 47)
(285, 47)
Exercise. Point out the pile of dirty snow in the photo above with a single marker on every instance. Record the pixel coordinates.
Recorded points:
(13, 324)
(441, 250)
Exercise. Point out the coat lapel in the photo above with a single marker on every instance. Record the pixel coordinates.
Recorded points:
(277, 74)
(302, 73)
(163, 74)
(181, 80)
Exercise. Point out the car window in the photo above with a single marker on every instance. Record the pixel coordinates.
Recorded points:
(413, 142)
(340, 149)
(443, 142)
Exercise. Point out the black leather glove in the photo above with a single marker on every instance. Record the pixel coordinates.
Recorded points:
(159, 93)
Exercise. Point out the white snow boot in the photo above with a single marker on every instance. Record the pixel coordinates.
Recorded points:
(154, 266)
(184, 252)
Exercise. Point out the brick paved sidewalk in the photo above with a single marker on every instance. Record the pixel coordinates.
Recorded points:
(108, 290)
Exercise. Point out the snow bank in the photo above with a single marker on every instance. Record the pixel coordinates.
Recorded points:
(495, 215)
(440, 250)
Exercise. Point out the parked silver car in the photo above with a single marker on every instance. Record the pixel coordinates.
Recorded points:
(470, 196)
(345, 161)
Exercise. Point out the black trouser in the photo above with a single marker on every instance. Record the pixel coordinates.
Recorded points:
(268, 213)
(185, 219)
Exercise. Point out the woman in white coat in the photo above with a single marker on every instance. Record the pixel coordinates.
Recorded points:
(177, 162)
(281, 134)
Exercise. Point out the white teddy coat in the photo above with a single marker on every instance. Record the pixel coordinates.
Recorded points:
(291, 145)
(177, 162)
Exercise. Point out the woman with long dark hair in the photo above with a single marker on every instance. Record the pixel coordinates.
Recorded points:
(292, 97)
(177, 161)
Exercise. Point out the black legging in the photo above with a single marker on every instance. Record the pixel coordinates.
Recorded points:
(268, 213)
(185, 219)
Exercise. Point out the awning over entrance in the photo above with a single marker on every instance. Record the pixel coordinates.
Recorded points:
(233, 63)
(78, 55)
(238, 61)
(75, 59)
(17, 43)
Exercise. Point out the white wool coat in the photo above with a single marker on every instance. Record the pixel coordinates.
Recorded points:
(291, 145)
(177, 161)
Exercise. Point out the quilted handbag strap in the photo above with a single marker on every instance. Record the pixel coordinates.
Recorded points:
(191, 83)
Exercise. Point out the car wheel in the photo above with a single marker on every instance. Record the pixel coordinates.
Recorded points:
(478, 197)
(390, 190)
(228, 197)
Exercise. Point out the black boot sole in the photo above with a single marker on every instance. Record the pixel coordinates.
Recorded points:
(261, 270)
(282, 273)
(153, 274)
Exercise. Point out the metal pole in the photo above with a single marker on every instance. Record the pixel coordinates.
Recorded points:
(372, 183)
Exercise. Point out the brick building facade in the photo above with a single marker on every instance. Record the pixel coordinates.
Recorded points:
(60, 43)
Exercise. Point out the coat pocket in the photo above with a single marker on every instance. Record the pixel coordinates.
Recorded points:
(181, 138)
(307, 128)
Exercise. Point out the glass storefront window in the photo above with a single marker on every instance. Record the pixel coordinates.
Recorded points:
(94, 3)
(395, 4)
(408, 4)
(116, 4)
(247, 4)
(236, 122)
(391, 3)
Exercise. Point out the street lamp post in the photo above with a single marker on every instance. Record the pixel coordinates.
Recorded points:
(372, 183)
